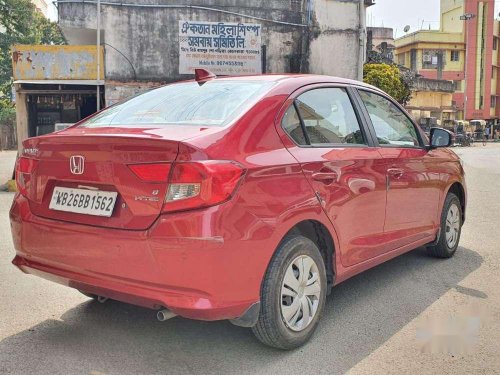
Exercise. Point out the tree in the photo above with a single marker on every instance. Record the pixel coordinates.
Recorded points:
(47, 32)
(7, 112)
(22, 24)
(390, 79)
(7, 124)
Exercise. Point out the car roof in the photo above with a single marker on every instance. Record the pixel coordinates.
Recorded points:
(298, 79)
(284, 77)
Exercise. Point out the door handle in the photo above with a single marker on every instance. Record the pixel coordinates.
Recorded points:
(395, 172)
(326, 178)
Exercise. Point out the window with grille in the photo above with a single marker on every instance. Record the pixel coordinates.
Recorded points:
(433, 59)
(455, 55)
(401, 59)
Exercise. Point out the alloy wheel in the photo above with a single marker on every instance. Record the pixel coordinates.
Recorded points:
(300, 293)
(452, 225)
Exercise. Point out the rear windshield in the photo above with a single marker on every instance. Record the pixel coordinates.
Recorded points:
(214, 103)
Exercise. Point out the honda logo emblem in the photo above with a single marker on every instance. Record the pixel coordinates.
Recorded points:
(77, 164)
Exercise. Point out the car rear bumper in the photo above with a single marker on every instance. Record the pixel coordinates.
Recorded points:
(177, 264)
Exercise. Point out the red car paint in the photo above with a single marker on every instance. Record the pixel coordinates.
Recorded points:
(208, 262)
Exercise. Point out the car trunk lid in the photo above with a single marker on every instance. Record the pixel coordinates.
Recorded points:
(107, 156)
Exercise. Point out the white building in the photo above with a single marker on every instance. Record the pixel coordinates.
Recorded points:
(42, 6)
(155, 41)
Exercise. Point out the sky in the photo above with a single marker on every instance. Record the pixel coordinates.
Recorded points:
(419, 14)
(52, 11)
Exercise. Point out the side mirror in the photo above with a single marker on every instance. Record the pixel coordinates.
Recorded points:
(440, 138)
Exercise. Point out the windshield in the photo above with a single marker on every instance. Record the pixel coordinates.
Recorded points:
(214, 103)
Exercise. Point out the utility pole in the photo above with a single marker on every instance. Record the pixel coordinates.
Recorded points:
(98, 55)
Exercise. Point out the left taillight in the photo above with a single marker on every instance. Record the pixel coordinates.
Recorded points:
(192, 185)
(24, 170)
(201, 184)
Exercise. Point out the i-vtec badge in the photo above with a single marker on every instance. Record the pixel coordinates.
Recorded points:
(31, 151)
(77, 164)
(143, 198)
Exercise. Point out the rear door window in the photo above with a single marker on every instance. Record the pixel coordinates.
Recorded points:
(291, 124)
(328, 118)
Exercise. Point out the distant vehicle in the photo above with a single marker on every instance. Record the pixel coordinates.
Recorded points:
(240, 198)
(462, 137)
(478, 127)
(427, 123)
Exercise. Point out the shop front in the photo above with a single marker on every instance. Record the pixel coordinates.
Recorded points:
(56, 86)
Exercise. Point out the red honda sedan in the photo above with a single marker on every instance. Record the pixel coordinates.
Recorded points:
(242, 198)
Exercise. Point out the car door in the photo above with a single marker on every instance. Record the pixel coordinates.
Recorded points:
(345, 171)
(413, 190)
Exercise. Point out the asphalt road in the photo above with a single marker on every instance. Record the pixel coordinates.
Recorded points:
(414, 314)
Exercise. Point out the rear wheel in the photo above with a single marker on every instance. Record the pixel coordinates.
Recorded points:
(451, 228)
(293, 295)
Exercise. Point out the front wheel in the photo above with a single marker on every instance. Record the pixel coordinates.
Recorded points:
(451, 228)
(293, 294)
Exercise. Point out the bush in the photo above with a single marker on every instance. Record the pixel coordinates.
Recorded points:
(389, 79)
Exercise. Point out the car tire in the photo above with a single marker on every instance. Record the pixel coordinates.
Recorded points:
(451, 228)
(279, 299)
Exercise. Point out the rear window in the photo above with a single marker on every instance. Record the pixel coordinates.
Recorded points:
(214, 103)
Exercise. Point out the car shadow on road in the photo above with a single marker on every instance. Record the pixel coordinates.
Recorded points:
(114, 338)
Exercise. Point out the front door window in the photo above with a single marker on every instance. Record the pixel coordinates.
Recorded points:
(392, 126)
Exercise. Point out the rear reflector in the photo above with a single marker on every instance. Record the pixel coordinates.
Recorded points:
(157, 172)
(24, 169)
(201, 184)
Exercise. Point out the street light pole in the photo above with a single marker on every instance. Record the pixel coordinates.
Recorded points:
(466, 17)
(98, 55)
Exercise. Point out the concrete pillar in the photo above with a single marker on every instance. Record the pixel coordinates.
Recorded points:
(21, 118)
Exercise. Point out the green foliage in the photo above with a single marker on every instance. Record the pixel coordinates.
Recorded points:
(22, 24)
(390, 79)
(7, 113)
(7, 125)
(47, 32)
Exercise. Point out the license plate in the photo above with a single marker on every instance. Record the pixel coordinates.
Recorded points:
(81, 201)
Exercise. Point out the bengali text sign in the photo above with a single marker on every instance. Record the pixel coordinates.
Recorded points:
(221, 47)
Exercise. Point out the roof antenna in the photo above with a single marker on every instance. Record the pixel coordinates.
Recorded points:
(202, 75)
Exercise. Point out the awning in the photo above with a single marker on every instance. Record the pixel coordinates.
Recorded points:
(90, 82)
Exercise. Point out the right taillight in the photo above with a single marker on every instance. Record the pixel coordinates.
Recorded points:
(24, 169)
(201, 184)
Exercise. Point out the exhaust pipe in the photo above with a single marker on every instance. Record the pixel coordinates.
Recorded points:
(164, 315)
